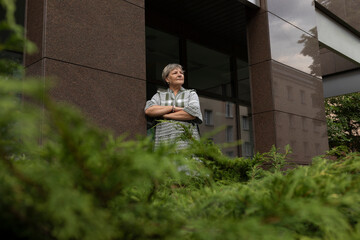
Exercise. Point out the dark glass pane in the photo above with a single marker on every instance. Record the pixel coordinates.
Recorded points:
(216, 114)
(19, 17)
(14, 57)
(12, 65)
(246, 131)
(208, 70)
(161, 49)
(243, 81)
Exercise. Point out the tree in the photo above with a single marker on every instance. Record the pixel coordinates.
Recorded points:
(343, 120)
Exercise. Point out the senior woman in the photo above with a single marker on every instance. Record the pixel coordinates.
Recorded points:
(176, 104)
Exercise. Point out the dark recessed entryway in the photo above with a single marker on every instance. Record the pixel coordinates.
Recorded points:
(209, 39)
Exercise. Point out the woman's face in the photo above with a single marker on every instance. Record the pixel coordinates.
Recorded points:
(175, 77)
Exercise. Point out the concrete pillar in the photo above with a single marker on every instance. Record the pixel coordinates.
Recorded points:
(95, 50)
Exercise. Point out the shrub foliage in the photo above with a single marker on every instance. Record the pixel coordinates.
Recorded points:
(62, 178)
(75, 181)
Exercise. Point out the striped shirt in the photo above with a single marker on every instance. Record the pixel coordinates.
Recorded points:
(171, 131)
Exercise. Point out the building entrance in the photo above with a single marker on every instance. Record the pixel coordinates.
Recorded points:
(209, 40)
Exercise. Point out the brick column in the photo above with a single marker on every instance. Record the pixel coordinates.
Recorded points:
(95, 50)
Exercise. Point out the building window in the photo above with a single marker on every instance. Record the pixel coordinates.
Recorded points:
(161, 48)
(247, 149)
(228, 109)
(292, 122)
(243, 80)
(306, 149)
(245, 123)
(304, 124)
(302, 96)
(290, 94)
(208, 117)
(208, 70)
(230, 153)
(213, 72)
(229, 134)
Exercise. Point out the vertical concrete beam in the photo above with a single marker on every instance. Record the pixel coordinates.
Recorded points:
(96, 52)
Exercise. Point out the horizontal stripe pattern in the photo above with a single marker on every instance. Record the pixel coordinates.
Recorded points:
(171, 131)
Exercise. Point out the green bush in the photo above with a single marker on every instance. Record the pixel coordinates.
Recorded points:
(62, 178)
(74, 181)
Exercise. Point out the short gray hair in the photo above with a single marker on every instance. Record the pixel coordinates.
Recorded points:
(166, 71)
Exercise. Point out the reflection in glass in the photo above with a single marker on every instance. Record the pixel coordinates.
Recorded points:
(346, 10)
(299, 13)
(208, 117)
(296, 91)
(208, 70)
(217, 111)
(246, 131)
(290, 94)
(229, 134)
(300, 132)
(161, 49)
(245, 123)
(229, 109)
(247, 149)
(293, 47)
(302, 97)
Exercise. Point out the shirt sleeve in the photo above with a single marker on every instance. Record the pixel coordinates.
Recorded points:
(155, 100)
(194, 107)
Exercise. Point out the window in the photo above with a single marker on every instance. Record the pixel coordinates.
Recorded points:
(306, 149)
(230, 153)
(208, 70)
(290, 95)
(304, 124)
(292, 122)
(317, 149)
(247, 148)
(212, 71)
(243, 81)
(161, 49)
(208, 117)
(229, 134)
(316, 126)
(302, 96)
(245, 123)
(228, 109)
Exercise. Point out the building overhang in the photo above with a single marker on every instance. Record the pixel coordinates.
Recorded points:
(342, 39)
(337, 37)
